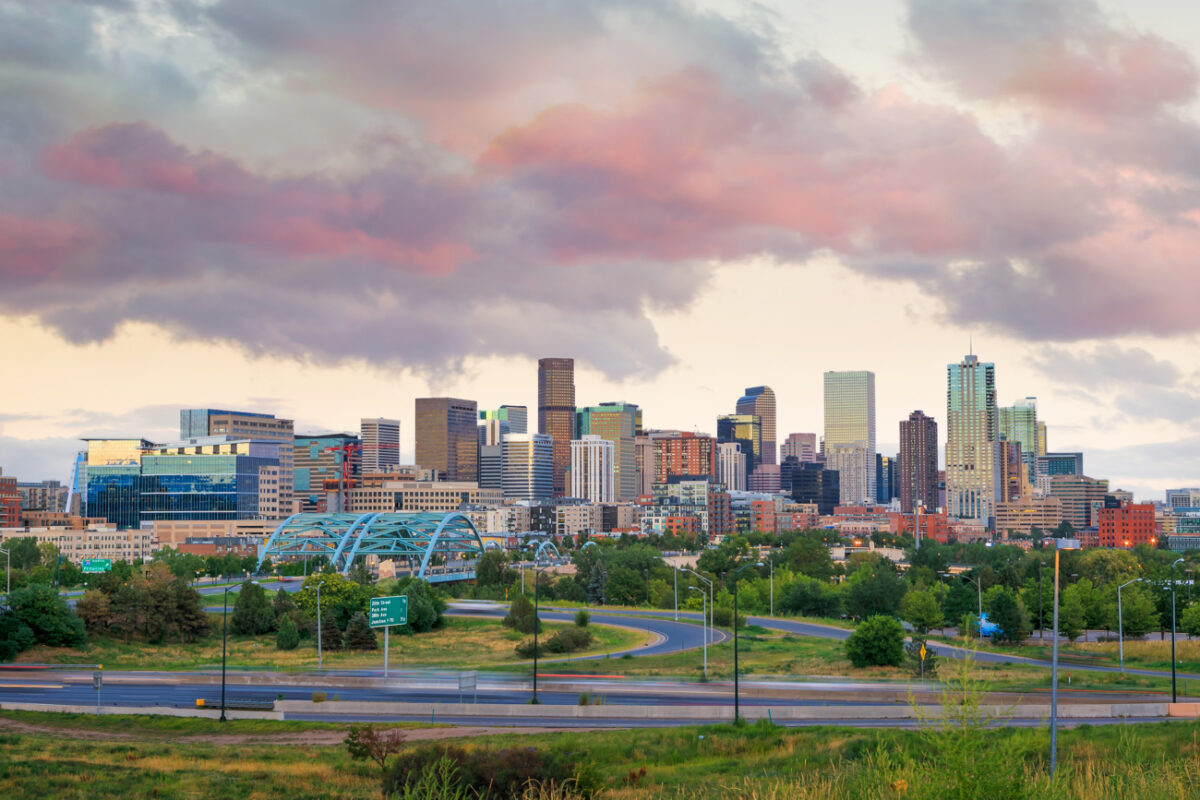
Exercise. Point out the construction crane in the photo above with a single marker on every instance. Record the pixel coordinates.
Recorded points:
(345, 453)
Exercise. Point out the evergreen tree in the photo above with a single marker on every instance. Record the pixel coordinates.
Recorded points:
(288, 637)
(187, 612)
(521, 615)
(252, 613)
(597, 586)
(283, 603)
(331, 635)
(1009, 615)
(360, 635)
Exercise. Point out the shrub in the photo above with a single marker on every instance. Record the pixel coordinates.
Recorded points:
(582, 618)
(47, 615)
(567, 640)
(521, 615)
(877, 641)
(499, 773)
(359, 635)
(811, 598)
(15, 636)
(318, 697)
(723, 617)
(288, 637)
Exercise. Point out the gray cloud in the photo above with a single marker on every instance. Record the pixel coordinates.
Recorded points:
(1105, 366)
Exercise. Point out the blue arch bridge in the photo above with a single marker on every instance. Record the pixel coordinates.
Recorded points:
(435, 547)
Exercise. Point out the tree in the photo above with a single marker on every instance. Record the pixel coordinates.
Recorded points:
(368, 742)
(426, 605)
(341, 599)
(625, 587)
(92, 608)
(1138, 613)
(490, 569)
(1008, 614)
(283, 604)
(811, 598)
(1072, 616)
(960, 599)
(877, 641)
(1189, 620)
(359, 635)
(288, 637)
(597, 585)
(921, 609)
(809, 556)
(252, 613)
(186, 612)
(331, 635)
(47, 615)
(875, 588)
(15, 636)
(24, 552)
(521, 615)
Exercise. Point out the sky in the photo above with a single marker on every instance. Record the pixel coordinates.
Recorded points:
(324, 210)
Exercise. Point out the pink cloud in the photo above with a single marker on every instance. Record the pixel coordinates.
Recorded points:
(35, 247)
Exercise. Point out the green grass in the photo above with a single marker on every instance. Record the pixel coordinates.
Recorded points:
(464, 643)
(178, 726)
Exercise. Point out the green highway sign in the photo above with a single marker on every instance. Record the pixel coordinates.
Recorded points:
(388, 611)
(97, 564)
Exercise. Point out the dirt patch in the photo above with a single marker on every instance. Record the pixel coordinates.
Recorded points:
(314, 738)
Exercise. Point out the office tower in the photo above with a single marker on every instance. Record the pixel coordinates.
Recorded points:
(760, 401)
(446, 437)
(887, 478)
(593, 475)
(209, 478)
(801, 445)
(812, 483)
(528, 466)
(683, 453)
(114, 468)
(850, 433)
(1013, 480)
(556, 412)
(200, 422)
(971, 453)
(731, 466)
(1041, 438)
(380, 443)
(514, 419)
(1018, 424)
(616, 422)
(10, 502)
(746, 430)
(643, 448)
(1183, 501)
(918, 462)
(764, 478)
(491, 466)
(319, 460)
(1081, 496)
(1047, 465)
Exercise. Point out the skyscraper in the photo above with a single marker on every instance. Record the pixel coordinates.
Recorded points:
(515, 419)
(801, 445)
(850, 433)
(746, 430)
(886, 478)
(971, 453)
(380, 443)
(113, 490)
(200, 422)
(760, 401)
(918, 462)
(556, 412)
(681, 453)
(616, 422)
(528, 466)
(592, 472)
(731, 466)
(1018, 424)
(446, 437)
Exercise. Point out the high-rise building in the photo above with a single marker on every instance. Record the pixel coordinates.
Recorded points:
(114, 468)
(850, 433)
(760, 401)
(887, 478)
(446, 437)
(1018, 424)
(643, 448)
(556, 412)
(1127, 525)
(1081, 498)
(918, 462)
(1013, 479)
(680, 453)
(319, 460)
(801, 445)
(1183, 501)
(10, 502)
(616, 422)
(971, 453)
(731, 466)
(515, 419)
(199, 422)
(209, 478)
(593, 475)
(380, 443)
(746, 430)
(812, 483)
(1041, 438)
(1047, 465)
(528, 466)
(44, 496)
(491, 466)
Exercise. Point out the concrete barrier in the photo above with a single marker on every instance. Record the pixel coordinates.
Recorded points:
(1187, 710)
(149, 711)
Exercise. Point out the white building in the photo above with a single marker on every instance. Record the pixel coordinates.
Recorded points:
(528, 460)
(593, 473)
(731, 466)
(380, 444)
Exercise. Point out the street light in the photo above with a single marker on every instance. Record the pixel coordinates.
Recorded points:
(978, 586)
(734, 577)
(703, 628)
(1060, 544)
(536, 624)
(1173, 563)
(711, 600)
(319, 662)
(7, 572)
(1121, 622)
(224, 621)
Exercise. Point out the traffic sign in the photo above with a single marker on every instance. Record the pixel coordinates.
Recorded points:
(388, 611)
(97, 679)
(922, 651)
(97, 564)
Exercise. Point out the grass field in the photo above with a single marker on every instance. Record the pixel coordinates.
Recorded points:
(464, 643)
(39, 758)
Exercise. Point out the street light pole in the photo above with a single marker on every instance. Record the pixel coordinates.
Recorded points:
(7, 572)
(772, 587)
(734, 577)
(319, 661)
(1174, 698)
(710, 600)
(703, 627)
(224, 622)
(1121, 622)
(676, 593)
(1059, 544)
(1041, 613)
(536, 624)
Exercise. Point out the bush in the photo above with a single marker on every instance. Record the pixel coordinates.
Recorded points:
(15, 636)
(288, 637)
(493, 773)
(582, 618)
(318, 697)
(47, 615)
(359, 635)
(521, 615)
(723, 617)
(568, 640)
(811, 598)
(877, 641)
(912, 655)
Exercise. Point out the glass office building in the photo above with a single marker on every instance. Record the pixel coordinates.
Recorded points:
(182, 487)
(111, 471)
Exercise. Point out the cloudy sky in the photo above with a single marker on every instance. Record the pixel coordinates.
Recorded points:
(325, 210)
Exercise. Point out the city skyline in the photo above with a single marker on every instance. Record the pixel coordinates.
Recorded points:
(195, 214)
